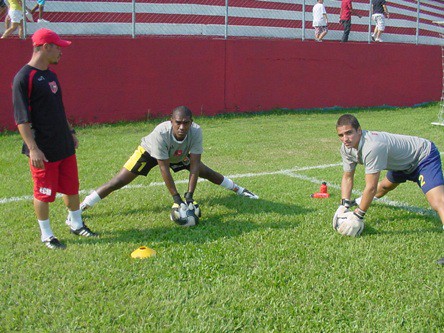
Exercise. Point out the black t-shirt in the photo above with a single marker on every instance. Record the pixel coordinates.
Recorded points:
(37, 99)
(377, 6)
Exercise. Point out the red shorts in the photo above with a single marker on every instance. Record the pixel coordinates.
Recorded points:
(57, 177)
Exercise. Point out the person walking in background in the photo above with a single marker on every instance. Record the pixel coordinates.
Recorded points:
(15, 19)
(40, 6)
(380, 11)
(49, 141)
(345, 18)
(4, 10)
(320, 20)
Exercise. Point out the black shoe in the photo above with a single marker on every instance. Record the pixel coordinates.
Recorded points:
(54, 244)
(84, 231)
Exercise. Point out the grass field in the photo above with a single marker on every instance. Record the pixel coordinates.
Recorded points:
(268, 265)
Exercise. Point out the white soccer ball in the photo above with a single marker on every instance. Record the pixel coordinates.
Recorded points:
(185, 216)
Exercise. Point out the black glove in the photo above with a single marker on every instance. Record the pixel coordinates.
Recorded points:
(177, 199)
(189, 199)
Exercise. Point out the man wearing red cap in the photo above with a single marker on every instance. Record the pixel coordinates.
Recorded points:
(49, 140)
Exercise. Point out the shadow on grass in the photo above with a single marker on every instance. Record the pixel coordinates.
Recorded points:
(400, 215)
(210, 228)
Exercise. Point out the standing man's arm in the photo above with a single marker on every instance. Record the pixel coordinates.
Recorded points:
(347, 184)
(386, 12)
(74, 137)
(36, 156)
(371, 186)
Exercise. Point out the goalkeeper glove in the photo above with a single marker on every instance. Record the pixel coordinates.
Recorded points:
(352, 223)
(178, 213)
(175, 210)
(192, 204)
(343, 208)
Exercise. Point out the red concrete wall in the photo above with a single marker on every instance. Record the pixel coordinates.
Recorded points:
(108, 80)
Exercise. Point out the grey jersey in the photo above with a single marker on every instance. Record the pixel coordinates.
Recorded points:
(379, 151)
(162, 145)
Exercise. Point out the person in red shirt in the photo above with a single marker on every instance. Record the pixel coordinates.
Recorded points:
(345, 18)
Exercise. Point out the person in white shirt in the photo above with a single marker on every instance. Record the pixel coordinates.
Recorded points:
(320, 20)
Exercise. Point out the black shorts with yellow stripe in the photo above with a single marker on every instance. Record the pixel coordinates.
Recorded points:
(141, 162)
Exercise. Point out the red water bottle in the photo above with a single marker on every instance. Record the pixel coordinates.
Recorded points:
(323, 192)
(323, 188)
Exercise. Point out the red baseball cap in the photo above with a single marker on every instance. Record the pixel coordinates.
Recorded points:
(46, 36)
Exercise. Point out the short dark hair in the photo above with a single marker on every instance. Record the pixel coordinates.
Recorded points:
(182, 110)
(348, 119)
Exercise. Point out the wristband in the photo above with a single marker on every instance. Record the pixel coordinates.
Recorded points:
(359, 213)
(177, 199)
(346, 203)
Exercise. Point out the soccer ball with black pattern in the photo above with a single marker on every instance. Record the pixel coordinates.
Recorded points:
(184, 215)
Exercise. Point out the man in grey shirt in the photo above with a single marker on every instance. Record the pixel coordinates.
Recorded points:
(177, 145)
(405, 157)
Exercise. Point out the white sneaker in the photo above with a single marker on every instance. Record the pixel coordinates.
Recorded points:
(29, 16)
(245, 193)
(42, 21)
(378, 40)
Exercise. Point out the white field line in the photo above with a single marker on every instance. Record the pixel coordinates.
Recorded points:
(184, 181)
(288, 172)
(384, 200)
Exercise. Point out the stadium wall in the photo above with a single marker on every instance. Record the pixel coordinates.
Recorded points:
(110, 80)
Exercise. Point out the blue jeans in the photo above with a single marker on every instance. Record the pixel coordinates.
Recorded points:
(347, 27)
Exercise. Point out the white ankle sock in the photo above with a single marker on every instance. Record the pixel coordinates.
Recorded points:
(358, 200)
(75, 219)
(230, 185)
(227, 183)
(45, 229)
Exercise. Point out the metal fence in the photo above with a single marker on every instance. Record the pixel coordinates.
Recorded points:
(410, 21)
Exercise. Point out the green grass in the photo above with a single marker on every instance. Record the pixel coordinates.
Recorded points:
(271, 265)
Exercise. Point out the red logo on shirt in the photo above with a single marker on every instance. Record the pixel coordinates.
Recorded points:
(53, 86)
(178, 153)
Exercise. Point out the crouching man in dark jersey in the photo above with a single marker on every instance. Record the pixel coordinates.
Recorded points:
(49, 141)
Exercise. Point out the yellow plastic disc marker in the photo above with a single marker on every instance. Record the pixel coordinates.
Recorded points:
(143, 252)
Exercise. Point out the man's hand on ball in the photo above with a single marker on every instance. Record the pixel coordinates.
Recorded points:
(350, 224)
(188, 197)
(177, 213)
(192, 204)
(341, 210)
